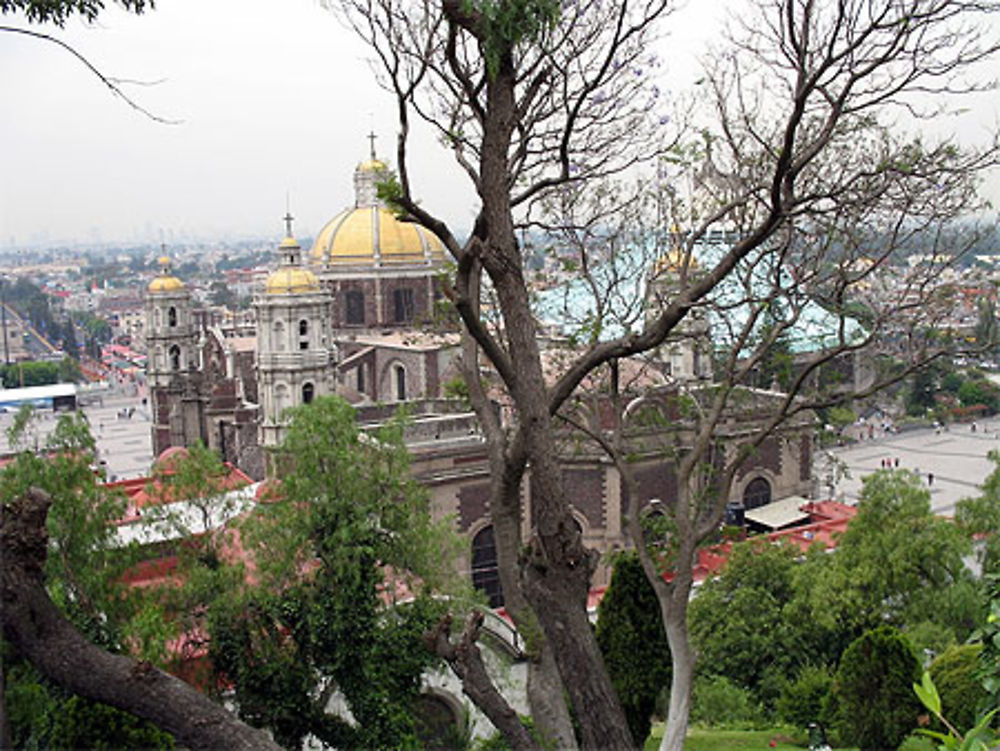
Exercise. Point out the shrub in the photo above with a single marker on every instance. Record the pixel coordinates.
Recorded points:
(718, 702)
(873, 690)
(801, 703)
(954, 672)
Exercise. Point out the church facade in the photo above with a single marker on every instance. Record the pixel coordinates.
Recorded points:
(358, 316)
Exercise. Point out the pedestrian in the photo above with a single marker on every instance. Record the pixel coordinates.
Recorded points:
(897, 462)
(930, 479)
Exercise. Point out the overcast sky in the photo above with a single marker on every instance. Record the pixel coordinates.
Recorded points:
(275, 99)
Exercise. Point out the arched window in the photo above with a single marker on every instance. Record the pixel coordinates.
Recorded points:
(654, 525)
(354, 307)
(360, 370)
(157, 318)
(402, 300)
(757, 493)
(303, 327)
(308, 392)
(436, 723)
(280, 399)
(175, 358)
(279, 336)
(400, 375)
(485, 573)
(172, 317)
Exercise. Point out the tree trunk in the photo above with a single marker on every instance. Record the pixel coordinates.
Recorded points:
(38, 630)
(674, 613)
(546, 696)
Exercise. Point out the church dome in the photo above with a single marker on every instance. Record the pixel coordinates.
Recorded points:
(289, 279)
(372, 235)
(165, 282)
(672, 262)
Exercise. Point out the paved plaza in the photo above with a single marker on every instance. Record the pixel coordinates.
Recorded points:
(120, 423)
(956, 458)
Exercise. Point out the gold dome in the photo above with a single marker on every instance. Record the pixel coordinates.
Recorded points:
(372, 235)
(165, 282)
(672, 262)
(289, 279)
(373, 165)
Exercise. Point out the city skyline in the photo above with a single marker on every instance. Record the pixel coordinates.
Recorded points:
(274, 109)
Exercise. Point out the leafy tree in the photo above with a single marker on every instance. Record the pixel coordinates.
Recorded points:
(979, 391)
(60, 11)
(802, 700)
(897, 563)
(956, 674)
(738, 625)
(873, 690)
(988, 634)
(84, 576)
(980, 517)
(634, 647)
(351, 529)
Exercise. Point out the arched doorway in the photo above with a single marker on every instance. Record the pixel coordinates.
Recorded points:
(437, 724)
(485, 573)
(757, 493)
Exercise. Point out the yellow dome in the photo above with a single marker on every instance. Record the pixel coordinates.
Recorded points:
(672, 262)
(290, 279)
(365, 235)
(372, 165)
(166, 284)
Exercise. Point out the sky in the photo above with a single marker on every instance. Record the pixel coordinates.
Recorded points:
(275, 101)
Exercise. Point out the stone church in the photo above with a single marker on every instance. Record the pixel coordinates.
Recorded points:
(358, 316)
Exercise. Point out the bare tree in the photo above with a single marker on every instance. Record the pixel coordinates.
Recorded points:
(542, 104)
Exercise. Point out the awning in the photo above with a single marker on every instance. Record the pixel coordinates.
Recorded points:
(779, 514)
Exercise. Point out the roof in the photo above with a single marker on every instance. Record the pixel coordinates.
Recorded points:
(779, 514)
(374, 235)
(30, 393)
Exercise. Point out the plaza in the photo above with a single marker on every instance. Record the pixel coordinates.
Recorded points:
(952, 463)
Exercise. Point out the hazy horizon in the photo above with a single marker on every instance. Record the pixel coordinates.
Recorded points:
(275, 104)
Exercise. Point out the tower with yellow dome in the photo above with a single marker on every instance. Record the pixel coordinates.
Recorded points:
(686, 354)
(381, 271)
(172, 369)
(296, 356)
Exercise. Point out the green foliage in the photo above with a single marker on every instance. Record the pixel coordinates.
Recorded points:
(841, 417)
(32, 373)
(873, 690)
(801, 703)
(631, 639)
(981, 517)
(979, 738)
(897, 563)
(989, 635)
(955, 672)
(504, 24)
(351, 528)
(979, 391)
(718, 702)
(737, 621)
(44, 716)
(83, 574)
(60, 11)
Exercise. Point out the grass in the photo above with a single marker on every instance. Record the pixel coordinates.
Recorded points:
(784, 739)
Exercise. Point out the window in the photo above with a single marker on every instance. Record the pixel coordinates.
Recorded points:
(303, 327)
(175, 358)
(308, 391)
(403, 303)
(757, 493)
(172, 317)
(485, 573)
(354, 304)
(400, 373)
(360, 371)
(279, 336)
